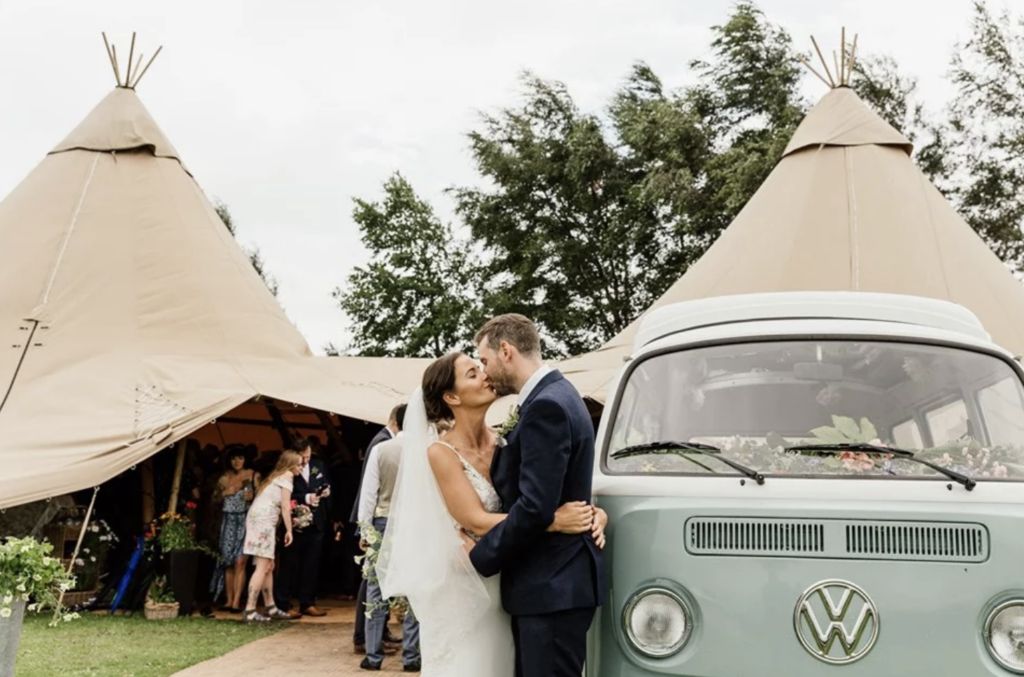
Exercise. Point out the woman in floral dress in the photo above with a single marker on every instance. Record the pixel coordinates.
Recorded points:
(235, 490)
(273, 501)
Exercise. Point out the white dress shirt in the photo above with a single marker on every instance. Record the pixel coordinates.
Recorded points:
(531, 383)
(371, 486)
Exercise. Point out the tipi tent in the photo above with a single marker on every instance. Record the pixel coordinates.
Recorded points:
(844, 210)
(129, 317)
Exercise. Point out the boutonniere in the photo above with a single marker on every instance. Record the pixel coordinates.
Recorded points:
(315, 472)
(509, 424)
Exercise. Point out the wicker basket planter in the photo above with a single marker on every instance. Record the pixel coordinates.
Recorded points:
(160, 611)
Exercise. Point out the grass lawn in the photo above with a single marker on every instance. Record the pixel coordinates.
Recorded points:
(127, 646)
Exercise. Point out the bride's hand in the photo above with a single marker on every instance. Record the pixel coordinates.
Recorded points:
(573, 518)
(600, 522)
(467, 542)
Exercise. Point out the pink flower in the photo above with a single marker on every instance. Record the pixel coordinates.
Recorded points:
(856, 460)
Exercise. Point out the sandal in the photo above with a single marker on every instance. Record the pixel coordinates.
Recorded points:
(273, 613)
(254, 617)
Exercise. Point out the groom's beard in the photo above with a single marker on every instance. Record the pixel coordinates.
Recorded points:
(503, 384)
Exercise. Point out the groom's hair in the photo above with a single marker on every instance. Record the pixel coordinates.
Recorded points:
(513, 328)
(399, 415)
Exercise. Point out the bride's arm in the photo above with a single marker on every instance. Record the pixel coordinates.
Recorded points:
(459, 496)
(466, 508)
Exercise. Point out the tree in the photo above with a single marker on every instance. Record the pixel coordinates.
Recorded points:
(253, 253)
(983, 142)
(416, 297)
(587, 224)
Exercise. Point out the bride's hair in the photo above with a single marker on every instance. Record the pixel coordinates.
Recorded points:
(439, 379)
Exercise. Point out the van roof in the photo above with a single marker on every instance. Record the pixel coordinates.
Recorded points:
(836, 305)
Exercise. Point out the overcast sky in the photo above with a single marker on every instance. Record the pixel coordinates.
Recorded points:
(288, 110)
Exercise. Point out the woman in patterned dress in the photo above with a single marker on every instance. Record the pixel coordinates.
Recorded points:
(235, 490)
(273, 501)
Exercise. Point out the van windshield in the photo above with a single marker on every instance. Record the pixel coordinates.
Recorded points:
(960, 409)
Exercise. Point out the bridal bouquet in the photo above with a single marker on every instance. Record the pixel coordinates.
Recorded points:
(372, 539)
(302, 516)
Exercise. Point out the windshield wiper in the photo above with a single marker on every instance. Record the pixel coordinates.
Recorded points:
(682, 449)
(865, 448)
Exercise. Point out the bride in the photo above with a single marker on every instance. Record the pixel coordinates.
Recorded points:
(443, 500)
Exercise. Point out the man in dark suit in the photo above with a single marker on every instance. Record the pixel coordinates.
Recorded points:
(359, 634)
(300, 564)
(551, 583)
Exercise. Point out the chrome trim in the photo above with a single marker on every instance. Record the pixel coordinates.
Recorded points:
(818, 642)
(627, 612)
(987, 632)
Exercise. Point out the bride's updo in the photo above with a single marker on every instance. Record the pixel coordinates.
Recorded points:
(439, 379)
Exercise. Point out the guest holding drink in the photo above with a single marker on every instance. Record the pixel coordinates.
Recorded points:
(236, 490)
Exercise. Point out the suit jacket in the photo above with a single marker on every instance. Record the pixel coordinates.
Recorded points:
(548, 461)
(301, 488)
(382, 436)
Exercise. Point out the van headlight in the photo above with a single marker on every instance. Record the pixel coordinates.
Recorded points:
(657, 622)
(1004, 635)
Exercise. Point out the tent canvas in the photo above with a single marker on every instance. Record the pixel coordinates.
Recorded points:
(129, 317)
(844, 210)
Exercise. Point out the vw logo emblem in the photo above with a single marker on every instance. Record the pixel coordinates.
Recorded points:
(836, 622)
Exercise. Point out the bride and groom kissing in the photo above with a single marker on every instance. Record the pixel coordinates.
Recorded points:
(492, 538)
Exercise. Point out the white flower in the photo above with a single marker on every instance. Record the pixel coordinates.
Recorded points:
(94, 529)
(85, 550)
(79, 562)
(33, 607)
(8, 598)
(5, 613)
(93, 558)
(47, 561)
(21, 587)
(26, 548)
(65, 586)
(37, 578)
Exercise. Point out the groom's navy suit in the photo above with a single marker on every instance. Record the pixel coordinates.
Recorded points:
(551, 583)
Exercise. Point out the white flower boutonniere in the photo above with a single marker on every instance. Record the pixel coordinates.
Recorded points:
(315, 472)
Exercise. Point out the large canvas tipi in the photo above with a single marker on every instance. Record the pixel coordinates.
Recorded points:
(844, 210)
(129, 317)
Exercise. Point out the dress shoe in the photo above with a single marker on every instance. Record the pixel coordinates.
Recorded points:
(293, 615)
(314, 612)
(411, 667)
(367, 665)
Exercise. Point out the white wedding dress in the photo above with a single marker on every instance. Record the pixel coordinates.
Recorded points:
(464, 632)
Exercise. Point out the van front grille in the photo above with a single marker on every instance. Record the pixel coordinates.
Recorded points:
(837, 539)
(918, 541)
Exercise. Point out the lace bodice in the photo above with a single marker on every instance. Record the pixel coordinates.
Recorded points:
(484, 489)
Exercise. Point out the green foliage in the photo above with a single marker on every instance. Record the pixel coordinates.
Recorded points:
(28, 573)
(160, 591)
(582, 220)
(845, 430)
(416, 297)
(983, 142)
(255, 258)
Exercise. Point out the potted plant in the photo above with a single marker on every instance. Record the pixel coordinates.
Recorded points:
(174, 538)
(160, 601)
(30, 578)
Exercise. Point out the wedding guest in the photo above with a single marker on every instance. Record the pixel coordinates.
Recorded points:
(300, 565)
(273, 500)
(374, 507)
(235, 490)
(359, 636)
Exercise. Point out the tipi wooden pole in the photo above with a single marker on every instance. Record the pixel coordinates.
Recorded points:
(824, 63)
(117, 68)
(110, 55)
(821, 77)
(853, 55)
(131, 54)
(148, 491)
(138, 62)
(81, 537)
(179, 467)
(151, 60)
(842, 56)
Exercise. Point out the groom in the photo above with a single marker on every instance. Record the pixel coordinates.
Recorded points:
(551, 583)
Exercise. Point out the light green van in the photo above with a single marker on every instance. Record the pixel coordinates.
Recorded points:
(810, 484)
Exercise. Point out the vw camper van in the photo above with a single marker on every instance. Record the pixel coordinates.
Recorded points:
(809, 484)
